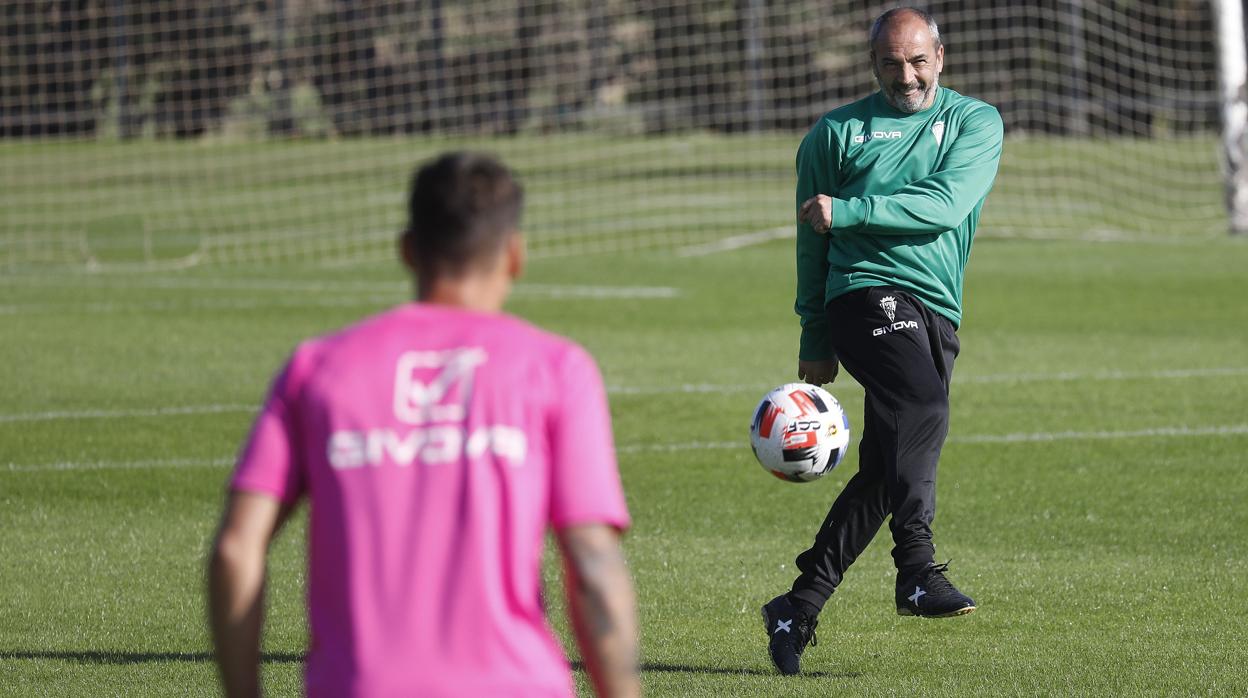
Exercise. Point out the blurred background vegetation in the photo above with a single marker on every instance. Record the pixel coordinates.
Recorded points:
(316, 68)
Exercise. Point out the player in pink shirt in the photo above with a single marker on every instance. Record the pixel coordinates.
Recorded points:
(435, 444)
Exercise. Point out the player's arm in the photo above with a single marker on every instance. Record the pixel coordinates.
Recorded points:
(265, 486)
(602, 606)
(587, 513)
(938, 202)
(816, 358)
(236, 570)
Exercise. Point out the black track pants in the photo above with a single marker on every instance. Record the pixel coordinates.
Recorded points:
(902, 353)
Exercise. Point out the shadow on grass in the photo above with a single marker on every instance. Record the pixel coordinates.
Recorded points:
(106, 657)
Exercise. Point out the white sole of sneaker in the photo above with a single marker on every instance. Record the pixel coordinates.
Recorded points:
(951, 614)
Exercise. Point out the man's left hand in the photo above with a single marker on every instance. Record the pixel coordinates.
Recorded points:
(818, 372)
(817, 211)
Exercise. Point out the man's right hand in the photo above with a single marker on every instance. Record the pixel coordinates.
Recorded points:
(817, 211)
(818, 372)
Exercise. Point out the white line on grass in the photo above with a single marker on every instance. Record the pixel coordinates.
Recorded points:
(689, 388)
(688, 446)
(118, 465)
(1064, 376)
(389, 291)
(1161, 432)
(1095, 235)
(1156, 433)
(736, 242)
(99, 308)
(760, 237)
(586, 291)
(343, 301)
(121, 414)
(132, 281)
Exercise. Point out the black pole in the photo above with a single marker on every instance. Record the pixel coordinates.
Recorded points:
(754, 64)
(439, 119)
(1077, 100)
(282, 120)
(121, 66)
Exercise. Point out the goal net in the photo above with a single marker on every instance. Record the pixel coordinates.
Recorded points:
(171, 133)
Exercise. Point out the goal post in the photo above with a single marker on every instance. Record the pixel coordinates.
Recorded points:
(171, 133)
(1233, 91)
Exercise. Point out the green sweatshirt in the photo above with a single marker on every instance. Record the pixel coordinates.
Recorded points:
(907, 191)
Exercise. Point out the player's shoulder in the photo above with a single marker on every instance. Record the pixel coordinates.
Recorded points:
(549, 353)
(970, 108)
(544, 357)
(416, 320)
(348, 343)
(539, 338)
(311, 353)
(856, 110)
(845, 115)
(835, 126)
(553, 347)
(526, 347)
(359, 331)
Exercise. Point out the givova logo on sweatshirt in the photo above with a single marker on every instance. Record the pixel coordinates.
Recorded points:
(877, 136)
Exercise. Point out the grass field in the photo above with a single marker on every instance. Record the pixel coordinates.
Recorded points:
(166, 204)
(1091, 494)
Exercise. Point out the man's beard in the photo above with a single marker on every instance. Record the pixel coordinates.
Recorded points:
(911, 103)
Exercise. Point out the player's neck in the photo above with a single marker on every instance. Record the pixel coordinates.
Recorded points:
(482, 293)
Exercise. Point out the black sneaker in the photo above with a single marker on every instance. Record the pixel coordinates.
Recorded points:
(930, 594)
(788, 630)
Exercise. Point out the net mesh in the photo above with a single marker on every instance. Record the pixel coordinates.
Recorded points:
(171, 133)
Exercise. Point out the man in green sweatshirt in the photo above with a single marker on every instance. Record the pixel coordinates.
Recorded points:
(889, 192)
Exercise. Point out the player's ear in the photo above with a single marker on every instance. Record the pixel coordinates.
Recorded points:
(516, 255)
(405, 252)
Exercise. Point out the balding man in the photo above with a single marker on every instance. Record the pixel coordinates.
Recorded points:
(889, 193)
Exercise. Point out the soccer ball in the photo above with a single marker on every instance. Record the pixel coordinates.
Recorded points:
(799, 432)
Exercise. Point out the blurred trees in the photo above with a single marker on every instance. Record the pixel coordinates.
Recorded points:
(178, 63)
(49, 63)
(354, 67)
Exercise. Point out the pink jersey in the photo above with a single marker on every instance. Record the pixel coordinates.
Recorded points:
(435, 445)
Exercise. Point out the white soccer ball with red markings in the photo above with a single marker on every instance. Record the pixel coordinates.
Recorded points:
(799, 432)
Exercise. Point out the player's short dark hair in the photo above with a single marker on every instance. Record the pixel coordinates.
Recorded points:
(462, 208)
(880, 22)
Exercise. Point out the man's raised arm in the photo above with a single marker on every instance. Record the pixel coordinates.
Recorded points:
(939, 201)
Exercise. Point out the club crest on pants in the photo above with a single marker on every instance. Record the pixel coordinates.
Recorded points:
(889, 304)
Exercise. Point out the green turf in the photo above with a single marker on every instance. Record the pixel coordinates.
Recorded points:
(161, 203)
(1104, 563)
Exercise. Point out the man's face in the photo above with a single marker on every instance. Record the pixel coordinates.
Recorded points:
(907, 62)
